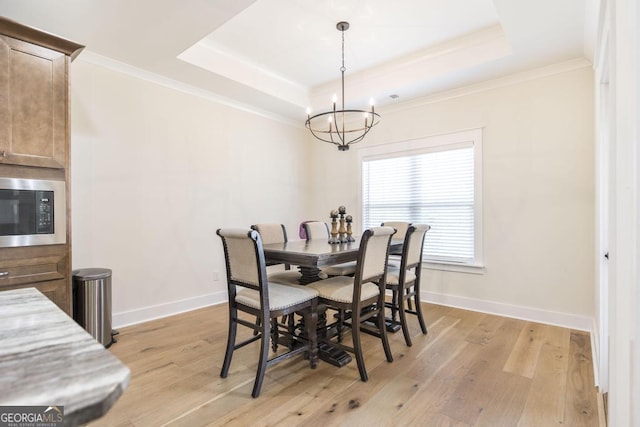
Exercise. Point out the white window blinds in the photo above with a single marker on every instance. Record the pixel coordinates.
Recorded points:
(435, 188)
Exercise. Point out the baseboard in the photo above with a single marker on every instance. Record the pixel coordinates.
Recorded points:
(595, 354)
(572, 321)
(145, 314)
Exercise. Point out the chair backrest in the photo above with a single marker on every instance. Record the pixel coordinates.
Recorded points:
(244, 259)
(373, 253)
(413, 244)
(316, 230)
(400, 226)
(271, 232)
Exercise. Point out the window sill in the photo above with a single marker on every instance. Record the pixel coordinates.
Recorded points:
(458, 268)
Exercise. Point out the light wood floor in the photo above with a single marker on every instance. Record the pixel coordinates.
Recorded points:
(472, 369)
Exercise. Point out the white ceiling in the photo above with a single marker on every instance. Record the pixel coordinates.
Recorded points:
(282, 56)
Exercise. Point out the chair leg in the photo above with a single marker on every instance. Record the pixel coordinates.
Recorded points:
(274, 334)
(291, 327)
(395, 300)
(416, 296)
(264, 355)
(285, 320)
(291, 323)
(231, 342)
(403, 321)
(255, 331)
(357, 345)
(382, 327)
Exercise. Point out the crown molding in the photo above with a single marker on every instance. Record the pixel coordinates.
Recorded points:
(529, 75)
(132, 71)
(509, 80)
(209, 57)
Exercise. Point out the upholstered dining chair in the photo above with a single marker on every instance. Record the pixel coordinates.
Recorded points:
(350, 295)
(320, 230)
(277, 233)
(401, 229)
(404, 281)
(251, 292)
(316, 230)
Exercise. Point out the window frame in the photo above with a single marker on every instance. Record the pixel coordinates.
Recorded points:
(429, 144)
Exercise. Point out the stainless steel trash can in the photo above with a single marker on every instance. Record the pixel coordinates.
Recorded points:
(92, 302)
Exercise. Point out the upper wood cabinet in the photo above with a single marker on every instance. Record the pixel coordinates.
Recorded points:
(33, 96)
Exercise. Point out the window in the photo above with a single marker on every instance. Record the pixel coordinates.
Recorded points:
(433, 181)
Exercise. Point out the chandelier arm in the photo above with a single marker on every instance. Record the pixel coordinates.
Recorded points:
(335, 120)
(340, 139)
(321, 138)
(327, 113)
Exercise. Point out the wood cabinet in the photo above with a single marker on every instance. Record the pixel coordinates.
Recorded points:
(33, 112)
(34, 143)
(43, 267)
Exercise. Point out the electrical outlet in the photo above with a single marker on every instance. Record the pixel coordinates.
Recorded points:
(215, 276)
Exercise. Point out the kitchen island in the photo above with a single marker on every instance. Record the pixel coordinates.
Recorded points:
(47, 359)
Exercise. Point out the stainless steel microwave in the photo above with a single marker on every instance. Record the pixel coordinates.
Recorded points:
(32, 212)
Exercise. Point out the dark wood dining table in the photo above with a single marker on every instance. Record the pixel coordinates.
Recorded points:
(310, 256)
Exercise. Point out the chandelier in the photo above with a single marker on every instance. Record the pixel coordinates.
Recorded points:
(342, 127)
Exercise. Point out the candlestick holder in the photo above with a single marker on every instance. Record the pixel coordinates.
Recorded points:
(349, 220)
(334, 228)
(342, 232)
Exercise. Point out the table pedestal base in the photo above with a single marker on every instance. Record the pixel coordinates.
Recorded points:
(392, 326)
(333, 355)
(309, 275)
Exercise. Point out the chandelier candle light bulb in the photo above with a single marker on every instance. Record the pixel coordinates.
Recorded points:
(341, 135)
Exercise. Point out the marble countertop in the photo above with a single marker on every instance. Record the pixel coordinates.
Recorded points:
(46, 358)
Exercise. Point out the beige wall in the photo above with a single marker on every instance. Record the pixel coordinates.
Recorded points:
(538, 193)
(156, 171)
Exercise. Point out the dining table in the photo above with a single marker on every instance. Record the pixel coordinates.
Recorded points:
(310, 256)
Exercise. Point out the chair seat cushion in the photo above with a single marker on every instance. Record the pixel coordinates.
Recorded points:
(280, 296)
(393, 276)
(289, 277)
(340, 289)
(344, 269)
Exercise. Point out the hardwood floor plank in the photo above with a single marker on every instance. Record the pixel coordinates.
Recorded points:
(542, 407)
(451, 377)
(581, 406)
(484, 380)
(398, 383)
(524, 356)
(484, 330)
(474, 332)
